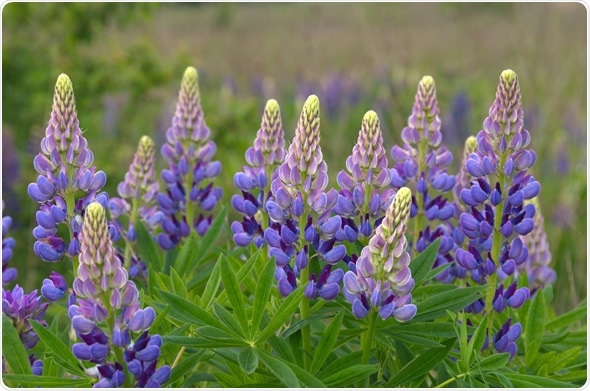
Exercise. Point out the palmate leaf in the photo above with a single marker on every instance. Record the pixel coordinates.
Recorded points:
(285, 311)
(31, 381)
(13, 351)
(248, 360)
(422, 264)
(534, 328)
(422, 364)
(569, 318)
(326, 343)
(280, 369)
(185, 311)
(262, 296)
(351, 375)
(234, 294)
(436, 306)
(148, 250)
(493, 362)
(185, 366)
(60, 352)
(531, 381)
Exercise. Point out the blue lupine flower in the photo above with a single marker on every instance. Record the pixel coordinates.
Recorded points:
(8, 273)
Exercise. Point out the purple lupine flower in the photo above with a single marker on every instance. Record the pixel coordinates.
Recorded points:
(141, 356)
(536, 265)
(463, 178)
(190, 195)
(456, 123)
(300, 211)
(65, 167)
(423, 162)
(105, 293)
(138, 199)
(8, 273)
(505, 339)
(365, 193)
(54, 287)
(21, 308)
(383, 281)
(263, 158)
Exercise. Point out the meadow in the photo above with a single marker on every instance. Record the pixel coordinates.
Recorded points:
(126, 62)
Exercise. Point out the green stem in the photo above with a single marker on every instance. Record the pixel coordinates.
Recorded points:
(367, 338)
(71, 205)
(419, 221)
(449, 381)
(132, 218)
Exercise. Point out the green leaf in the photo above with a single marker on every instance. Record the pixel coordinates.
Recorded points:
(340, 363)
(185, 366)
(13, 351)
(494, 362)
(212, 285)
(349, 376)
(31, 381)
(262, 295)
(203, 343)
(559, 361)
(215, 334)
(228, 319)
(569, 318)
(286, 310)
(185, 311)
(422, 264)
(421, 365)
(234, 294)
(248, 360)
(178, 286)
(187, 257)
(522, 380)
(327, 342)
(278, 368)
(432, 329)
(162, 315)
(534, 328)
(477, 340)
(60, 352)
(148, 250)
(503, 380)
(436, 306)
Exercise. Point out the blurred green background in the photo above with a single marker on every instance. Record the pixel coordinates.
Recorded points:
(126, 61)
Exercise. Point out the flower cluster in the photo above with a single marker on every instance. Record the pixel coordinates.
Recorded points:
(263, 158)
(381, 279)
(423, 161)
(21, 308)
(365, 185)
(188, 178)
(8, 273)
(137, 199)
(105, 295)
(65, 169)
(302, 227)
(536, 266)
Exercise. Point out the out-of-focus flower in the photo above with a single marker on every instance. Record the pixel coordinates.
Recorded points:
(8, 273)
(65, 168)
(383, 280)
(190, 195)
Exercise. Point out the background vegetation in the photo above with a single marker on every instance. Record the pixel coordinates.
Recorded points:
(126, 62)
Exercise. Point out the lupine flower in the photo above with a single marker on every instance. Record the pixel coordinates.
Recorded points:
(536, 265)
(263, 158)
(8, 273)
(382, 279)
(302, 228)
(423, 162)
(455, 124)
(505, 339)
(190, 196)
(463, 179)
(365, 192)
(54, 287)
(65, 169)
(105, 295)
(21, 308)
(138, 199)
(499, 208)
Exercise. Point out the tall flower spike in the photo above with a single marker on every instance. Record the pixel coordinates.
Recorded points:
(383, 280)
(263, 158)
(65, 168)
(423, 162)
(536, 265)
(300, 211)
(138, 198)
(463, 177)
(190, 196)
(107, 309)
(365, 192)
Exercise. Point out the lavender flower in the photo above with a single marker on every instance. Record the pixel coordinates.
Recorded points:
(138, 199)
(21, 308)
(382, 279)
(365, 192)
(423, 161)
(536, 266)
(188, 152)
(65, 169)
(263, 158)
(302, 228)
(8, 273)
(107, 309)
